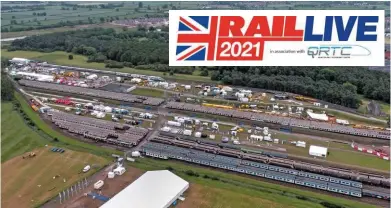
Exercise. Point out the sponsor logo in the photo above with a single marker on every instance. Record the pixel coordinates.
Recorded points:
(337, 51)
(251, 38)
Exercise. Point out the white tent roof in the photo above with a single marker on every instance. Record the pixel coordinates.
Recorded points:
(318, 151)
(154, 189)
(322, 117)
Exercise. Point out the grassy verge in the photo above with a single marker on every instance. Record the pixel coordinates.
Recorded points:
(63, 140)
(61, 58)
(15, 141)
(149, 92)
(232, 189)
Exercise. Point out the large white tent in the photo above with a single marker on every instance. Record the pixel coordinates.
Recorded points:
(154, 189)
(318, 151)
(317, 116)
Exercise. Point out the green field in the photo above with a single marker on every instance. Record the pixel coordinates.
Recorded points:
(230, 190)
(16, 137)
(62, 13)
(149, 92)
(32, 178)
(61, 58)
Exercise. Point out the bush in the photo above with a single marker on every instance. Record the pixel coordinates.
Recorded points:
(204, 73)
(215, 178)
(206, 176)
(192, 173)
(55, 139)
(302, 198)
(70, 57)
(331, 205)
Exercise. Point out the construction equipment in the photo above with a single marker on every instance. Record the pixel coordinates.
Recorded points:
(306, 99)
(29, 155)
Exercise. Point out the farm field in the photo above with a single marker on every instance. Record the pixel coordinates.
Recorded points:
(29, 182)
(61, 58)
(59, 29)
(79, 14)
(234, 190)
(15, 141)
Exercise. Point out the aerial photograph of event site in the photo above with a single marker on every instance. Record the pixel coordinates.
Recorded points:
(93, 113)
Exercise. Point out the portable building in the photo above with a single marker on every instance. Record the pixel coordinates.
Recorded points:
(267, 138)
(135, 80)
(197, 134)
(187, 132)
(110, 174)
(341, 121)
(98, 184)
(166, 129)
(108, 109)
(174, 123)
(119, 170)
(136, 154)
(236, 142)
(92, 77)
(256, 137)
(300, 144)
(197, 122)
(187, 87)
(243, 99)
(318, 151)
(212, 136)
(276, 141)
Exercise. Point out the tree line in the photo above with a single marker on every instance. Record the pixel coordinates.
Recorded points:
(149, 50)
(338, 85)
(117, 50)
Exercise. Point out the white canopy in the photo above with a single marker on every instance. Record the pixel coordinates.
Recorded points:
(317, 116)
(154, 189)
(318, 151)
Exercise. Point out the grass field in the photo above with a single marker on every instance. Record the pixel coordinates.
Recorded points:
(15, 141)
(61, 58)
(29, 182)
(56, 14)
(233, 190)
(148, 92)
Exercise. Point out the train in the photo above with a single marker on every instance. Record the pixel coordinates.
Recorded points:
(322, 182)
(270, 157)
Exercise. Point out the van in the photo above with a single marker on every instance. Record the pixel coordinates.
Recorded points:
(86, 169)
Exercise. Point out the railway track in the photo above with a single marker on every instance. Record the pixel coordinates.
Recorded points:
(321, 182)
(366, 178)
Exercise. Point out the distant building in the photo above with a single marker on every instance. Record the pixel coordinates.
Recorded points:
(19, 61)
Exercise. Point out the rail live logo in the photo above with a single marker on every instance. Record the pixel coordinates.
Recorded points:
(276, 38)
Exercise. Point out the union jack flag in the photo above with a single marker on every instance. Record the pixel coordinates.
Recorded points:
(196, 38)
